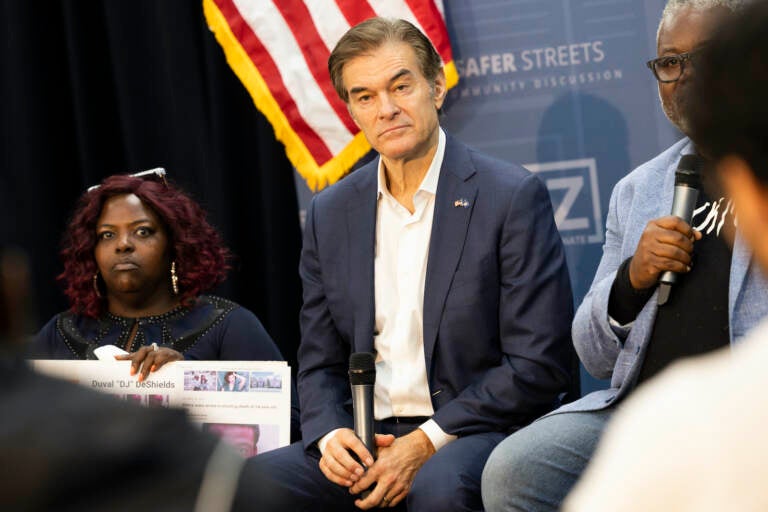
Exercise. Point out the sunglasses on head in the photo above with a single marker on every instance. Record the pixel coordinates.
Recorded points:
(157, 173)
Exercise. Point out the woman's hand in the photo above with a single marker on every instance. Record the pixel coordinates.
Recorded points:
(150, 358)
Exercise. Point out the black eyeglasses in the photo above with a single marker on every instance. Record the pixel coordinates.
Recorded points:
(157, 173)
(670, 68)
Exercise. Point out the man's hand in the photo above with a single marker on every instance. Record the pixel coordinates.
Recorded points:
(337, 463)
(394, 470)
(666, 244)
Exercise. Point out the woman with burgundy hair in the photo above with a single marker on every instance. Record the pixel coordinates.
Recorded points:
(138, 255)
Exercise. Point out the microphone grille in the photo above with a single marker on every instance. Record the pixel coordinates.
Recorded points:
(362, 368)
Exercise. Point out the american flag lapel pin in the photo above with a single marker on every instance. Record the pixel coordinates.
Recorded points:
(461, 203)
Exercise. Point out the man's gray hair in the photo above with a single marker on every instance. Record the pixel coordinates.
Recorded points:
(674, 6)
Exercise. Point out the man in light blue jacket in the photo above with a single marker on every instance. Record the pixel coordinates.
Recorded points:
(695, 435)
(620, 331)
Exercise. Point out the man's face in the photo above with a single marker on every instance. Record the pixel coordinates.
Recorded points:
(686, 31)
(392, 102)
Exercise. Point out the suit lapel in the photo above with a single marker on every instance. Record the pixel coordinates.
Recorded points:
(454, 202)
(740, 260)
(361, 224)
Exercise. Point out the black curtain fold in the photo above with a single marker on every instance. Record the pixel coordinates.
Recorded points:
(94, 88)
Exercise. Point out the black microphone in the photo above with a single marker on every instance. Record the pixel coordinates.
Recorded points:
(362, 376)
(687, 185)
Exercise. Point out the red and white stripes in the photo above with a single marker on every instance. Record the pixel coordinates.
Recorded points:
(286, 43)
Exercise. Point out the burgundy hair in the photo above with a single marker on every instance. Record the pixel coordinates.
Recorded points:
(198, 249)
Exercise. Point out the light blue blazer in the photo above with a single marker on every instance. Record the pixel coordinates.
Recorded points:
(611, 352)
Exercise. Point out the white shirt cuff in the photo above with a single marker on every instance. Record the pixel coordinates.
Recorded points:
(324, 440)
(435, 434)
(433, 431)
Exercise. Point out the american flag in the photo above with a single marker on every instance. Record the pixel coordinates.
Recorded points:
(279, 49)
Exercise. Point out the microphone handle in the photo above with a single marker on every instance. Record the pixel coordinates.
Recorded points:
(362, 411)
(362, 401)
(683, 205)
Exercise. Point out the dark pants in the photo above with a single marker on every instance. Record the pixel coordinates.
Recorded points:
(289, 479)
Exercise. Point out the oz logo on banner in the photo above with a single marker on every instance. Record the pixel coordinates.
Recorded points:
(573, 189)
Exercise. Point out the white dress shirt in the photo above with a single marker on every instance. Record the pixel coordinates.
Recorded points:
(402, 250)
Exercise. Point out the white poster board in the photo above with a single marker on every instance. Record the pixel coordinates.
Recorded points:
(248, 403)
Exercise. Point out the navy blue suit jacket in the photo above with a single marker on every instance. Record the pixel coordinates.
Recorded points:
(497, 299)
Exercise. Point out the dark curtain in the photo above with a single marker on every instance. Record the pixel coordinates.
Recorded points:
(94, 88)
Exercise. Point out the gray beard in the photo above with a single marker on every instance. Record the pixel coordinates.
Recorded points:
(672, 111)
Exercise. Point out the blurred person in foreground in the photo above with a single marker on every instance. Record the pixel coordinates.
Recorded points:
(65, 447)
(693, 439)
(620, 331)
(444, 262)
(138, 255)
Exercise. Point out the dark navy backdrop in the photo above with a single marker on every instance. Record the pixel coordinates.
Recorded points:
(561, 87)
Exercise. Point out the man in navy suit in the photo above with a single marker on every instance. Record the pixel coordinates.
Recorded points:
(448, 266)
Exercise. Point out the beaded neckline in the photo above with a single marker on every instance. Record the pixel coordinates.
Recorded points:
(147, 319)
(82, 347)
